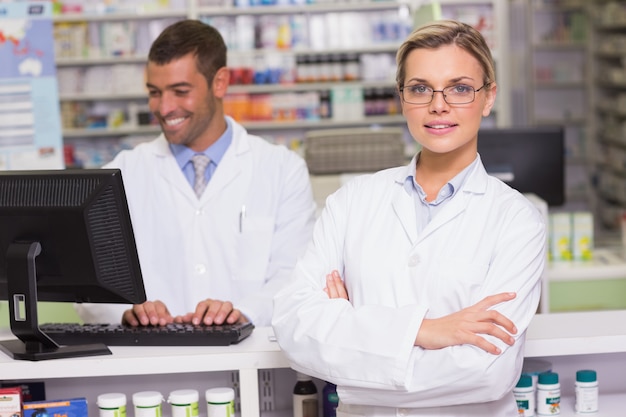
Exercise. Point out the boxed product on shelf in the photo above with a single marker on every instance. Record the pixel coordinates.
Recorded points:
(74, 407)
(70, 40)
(31, 390)
(11, 402)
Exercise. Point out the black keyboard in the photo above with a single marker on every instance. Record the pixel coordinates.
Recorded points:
(169, 335)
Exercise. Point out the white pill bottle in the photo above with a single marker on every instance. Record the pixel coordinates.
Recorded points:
(548, 394)
(586, 387)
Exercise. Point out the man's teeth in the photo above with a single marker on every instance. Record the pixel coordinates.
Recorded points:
(173, 122)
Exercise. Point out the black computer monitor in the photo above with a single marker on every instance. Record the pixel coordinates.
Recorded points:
(529, 159)
(65, 235)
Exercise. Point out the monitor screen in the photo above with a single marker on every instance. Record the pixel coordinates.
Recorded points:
(529, 159)
(65, 235)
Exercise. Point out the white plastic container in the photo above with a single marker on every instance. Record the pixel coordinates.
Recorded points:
(220, 402)
(112, 404)
(524, 393)
(184, 402)
(548, 394)
(147, 404)
(586, 387)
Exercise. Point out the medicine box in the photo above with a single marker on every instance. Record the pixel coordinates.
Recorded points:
(560, 237)
(74, 407)
(582, 236)
(10, 402)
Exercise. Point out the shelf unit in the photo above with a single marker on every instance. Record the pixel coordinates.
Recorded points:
(568, 340)
(586, 285)
(609, 109)
(117, 108)
(558, 78)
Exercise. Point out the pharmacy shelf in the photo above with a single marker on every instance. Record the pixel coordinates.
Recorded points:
(579, 333)
(237, 89)
(250, 125)
(375, 48)
(325, 123)
(258, 351)
(560, 46)
(315, 86)
(607, 52)
(606, 264)
(390, 47)
(560, 84)
(140, 95)
(138, 14)
(111, 132)
(609, 405)
(299, 8)
(569, 121)
(113, 60)
(549, 335)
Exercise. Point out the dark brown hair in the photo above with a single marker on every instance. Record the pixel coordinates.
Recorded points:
(191, 37)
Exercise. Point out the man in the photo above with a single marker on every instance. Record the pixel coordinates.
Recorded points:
(213, 253)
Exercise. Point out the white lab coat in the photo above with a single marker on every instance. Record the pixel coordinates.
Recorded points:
(486, 240)
(191, 249)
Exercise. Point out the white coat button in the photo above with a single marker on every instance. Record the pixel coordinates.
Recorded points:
(200, 269)
(402, 412)
(414, 260)
(199, 212)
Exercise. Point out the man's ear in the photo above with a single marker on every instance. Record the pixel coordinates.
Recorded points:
(220, 82)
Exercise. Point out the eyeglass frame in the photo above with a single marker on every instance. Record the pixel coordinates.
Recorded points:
(432, 97)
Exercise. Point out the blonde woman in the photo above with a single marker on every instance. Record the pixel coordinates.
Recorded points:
(416, 291)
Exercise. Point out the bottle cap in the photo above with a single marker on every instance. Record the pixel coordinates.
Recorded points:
(548, 378)
(220, 395)
(525, 381)
(183, 396)
(586, 375)
(111, 400)
(147, 398)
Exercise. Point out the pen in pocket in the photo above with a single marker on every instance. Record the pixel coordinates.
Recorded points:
(242, 216)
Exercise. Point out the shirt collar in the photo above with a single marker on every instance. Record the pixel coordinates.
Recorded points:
(455, 184)
(215, 152)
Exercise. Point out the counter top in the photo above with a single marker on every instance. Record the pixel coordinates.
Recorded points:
(258, 351)
(580, 333)
(556, 334)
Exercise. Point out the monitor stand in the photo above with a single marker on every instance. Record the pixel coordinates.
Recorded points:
(32, 343)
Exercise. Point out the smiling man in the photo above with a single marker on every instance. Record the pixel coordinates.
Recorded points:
(216, 245)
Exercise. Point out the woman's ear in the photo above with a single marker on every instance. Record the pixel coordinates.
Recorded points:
(490, 99)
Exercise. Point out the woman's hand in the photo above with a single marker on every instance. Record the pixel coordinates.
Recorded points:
(335, 288)
(466, 326)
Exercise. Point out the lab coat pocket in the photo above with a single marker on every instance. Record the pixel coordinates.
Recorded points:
(254, 248)
(460, 280)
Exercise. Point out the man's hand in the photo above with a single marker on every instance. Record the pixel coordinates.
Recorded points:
(465, 327)
(335, 288)
(213, 312)
(153, 313)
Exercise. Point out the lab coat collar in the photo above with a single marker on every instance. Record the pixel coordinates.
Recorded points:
(235, 161)
(403, 205)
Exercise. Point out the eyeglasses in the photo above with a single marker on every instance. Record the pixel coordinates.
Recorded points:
(455, 94)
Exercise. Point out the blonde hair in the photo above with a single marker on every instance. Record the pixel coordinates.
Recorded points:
(447, 32)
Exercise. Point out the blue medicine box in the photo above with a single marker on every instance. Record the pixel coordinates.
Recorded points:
(74, 407)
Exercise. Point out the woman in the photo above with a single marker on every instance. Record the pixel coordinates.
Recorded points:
(420, 282)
